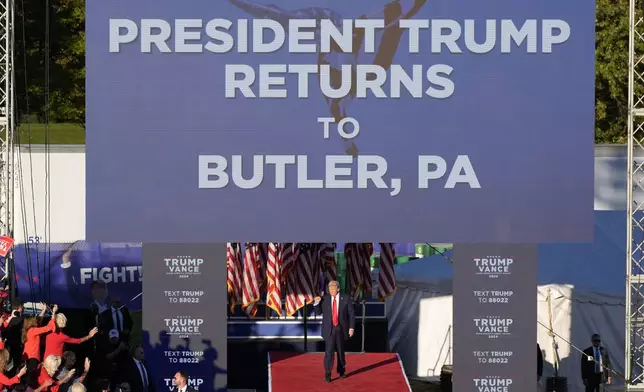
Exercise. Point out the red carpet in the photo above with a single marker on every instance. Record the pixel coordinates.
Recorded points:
(289, 372)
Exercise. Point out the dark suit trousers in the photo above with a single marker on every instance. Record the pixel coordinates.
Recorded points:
(334, 343)
(595, 383)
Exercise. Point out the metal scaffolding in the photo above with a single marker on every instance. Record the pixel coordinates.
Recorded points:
(7, 124)
(634, 337)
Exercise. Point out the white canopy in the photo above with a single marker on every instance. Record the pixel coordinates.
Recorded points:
(585, 284)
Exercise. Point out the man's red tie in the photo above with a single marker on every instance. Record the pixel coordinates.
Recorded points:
(335, 312)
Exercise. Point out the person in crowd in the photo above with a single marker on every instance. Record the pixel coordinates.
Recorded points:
(117, 317)
(27, 388)
(99, 304)
(181, 382)
(48, 373)
(137, 372)
(4, 380)
(114, 357)
(55, 341)
(69, 363)
(78, 387)
(338, 323)
(31, 337)
(99, 298)
(124, 387)
(102, 385)
(595, 366)
(539, 363)
(13, 330)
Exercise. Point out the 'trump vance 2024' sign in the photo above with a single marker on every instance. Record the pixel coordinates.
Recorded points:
(317, 120)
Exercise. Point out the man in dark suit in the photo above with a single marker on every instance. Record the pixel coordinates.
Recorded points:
(338, 323)
(595, 366)
(181, 382)
(117, 317)
(137, 373)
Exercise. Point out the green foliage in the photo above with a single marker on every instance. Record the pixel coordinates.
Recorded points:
(67, 64)
(611, 71)
(66, 60)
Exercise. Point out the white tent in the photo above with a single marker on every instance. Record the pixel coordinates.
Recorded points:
(585, 284)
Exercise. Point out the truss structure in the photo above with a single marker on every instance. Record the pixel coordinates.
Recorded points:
(634, 342)
(7, 125)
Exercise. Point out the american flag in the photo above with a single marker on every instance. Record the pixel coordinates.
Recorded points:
(253, 281)
(274, 277)
(327, 259)
(289, 257)
(235, 271)
(301, 279)
(358, 258)
(386, 274)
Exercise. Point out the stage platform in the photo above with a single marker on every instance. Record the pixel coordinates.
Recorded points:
(365, 372)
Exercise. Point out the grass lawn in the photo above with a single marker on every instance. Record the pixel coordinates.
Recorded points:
(62, 133)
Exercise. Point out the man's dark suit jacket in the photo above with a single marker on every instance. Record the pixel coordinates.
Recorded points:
(133, 376)
(588, 367)
(188, 389)
(107, 321)
(346, 315)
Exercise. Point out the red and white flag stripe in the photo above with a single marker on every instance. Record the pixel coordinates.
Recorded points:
(386, 273)
(274, 277)
(253, 281)
(302, 279)
(235, 271)
(327, 258)
(358, 257)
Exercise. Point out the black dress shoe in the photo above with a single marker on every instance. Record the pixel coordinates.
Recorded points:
(327, 379)
(343, 375)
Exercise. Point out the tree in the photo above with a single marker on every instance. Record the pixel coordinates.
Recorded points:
(67, 64)
(611, 71)
(66, 60)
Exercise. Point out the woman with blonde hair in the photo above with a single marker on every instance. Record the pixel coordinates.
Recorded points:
(4, 380)
(55, 341)
(78, 387)
(47, 372)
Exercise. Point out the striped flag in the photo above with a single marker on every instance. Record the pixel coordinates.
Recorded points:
(327, 258)
(301, 279)
(386, 274)
(262, 255)
(235, 271)
(289, 256)
(274, 277)
(251, 292)
(358, 258)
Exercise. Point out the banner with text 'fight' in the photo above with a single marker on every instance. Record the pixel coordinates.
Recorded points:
(328, 120)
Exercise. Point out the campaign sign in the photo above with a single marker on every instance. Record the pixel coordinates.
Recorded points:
(63, 273)
(495, 318)
(184, 314)
(331, 121)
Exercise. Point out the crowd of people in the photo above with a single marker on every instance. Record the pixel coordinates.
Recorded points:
(36, 355)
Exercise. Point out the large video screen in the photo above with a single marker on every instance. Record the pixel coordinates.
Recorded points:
(328, 120)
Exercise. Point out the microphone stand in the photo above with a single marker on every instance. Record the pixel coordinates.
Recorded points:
(306, 335)
(364, 312)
